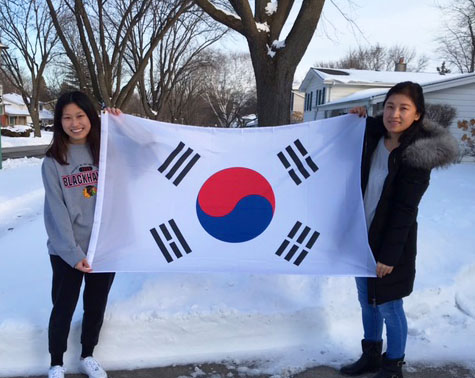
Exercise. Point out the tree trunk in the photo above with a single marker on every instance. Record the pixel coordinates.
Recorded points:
(274, 87)
(274, 65)
(274, 78)
(35, 118)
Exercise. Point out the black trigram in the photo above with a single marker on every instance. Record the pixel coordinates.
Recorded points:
(177, 244)
(296, 167)
(296, 245)
(181, 161)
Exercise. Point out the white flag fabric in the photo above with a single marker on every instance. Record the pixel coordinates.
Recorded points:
(283, 199)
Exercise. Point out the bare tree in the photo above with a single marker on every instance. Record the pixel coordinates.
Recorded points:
(457, 43)
(8, 87)
(230, 88)
(378, 58)
(104, 28)
(177, 55)
(186, 104)
(28, 31)
(274, 59)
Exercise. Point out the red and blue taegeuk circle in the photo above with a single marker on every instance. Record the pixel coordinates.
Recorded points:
(235, 205)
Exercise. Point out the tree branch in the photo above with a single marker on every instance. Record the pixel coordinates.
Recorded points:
(219, 15)
(302, 31)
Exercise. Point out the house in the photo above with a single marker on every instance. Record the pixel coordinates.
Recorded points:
(296, 112)
(297, 103)
(331, 92)
(15, 112)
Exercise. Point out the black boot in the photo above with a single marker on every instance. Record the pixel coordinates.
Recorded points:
(391, 368)
(370, 360)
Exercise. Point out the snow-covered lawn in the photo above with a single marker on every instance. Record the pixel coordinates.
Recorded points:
(46, 137)
(286, 323)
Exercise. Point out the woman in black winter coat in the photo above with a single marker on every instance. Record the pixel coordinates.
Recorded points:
(400, 150)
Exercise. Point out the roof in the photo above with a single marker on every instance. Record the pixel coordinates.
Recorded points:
(296, 92)
(372, 78)
(376, 95)
(14, 111)
(46, 114)
(13, 98)
(375, 77)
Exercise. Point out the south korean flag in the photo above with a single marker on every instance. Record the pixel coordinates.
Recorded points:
(281, 199)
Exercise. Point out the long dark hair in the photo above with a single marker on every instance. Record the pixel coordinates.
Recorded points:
(60, 144)
(415, 93)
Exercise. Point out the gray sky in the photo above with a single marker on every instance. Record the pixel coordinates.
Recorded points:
(410, 23)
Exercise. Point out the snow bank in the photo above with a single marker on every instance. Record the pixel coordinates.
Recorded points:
(286, 323)
(46, 137)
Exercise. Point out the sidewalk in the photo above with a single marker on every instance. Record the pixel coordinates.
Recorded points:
(230, 371)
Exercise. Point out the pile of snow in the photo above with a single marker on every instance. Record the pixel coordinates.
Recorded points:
(285, 323)
(263, 27)
(271, 7)
(278, 44)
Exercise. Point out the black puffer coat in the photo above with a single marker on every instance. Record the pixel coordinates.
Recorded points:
(393, 232)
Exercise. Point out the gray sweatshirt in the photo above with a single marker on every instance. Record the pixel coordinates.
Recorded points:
(70, 199)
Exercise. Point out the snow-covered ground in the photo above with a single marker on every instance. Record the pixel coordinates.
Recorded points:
(286, 323)
(23, 141)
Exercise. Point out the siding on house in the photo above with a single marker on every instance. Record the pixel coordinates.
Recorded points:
(462, 98)
(297, 101)
(368, 88)
(337, 92)
(340, 91)
(332, 93)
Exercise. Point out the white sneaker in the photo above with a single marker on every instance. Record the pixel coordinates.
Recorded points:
(91, 368)
(56, 371)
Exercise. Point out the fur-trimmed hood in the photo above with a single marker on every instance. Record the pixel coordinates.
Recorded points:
(435, 148)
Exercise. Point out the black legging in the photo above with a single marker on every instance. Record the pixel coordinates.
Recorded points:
(67, 283)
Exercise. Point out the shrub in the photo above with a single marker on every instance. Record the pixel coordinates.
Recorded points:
(296, 117)
(443, 114)
(468, 138)
(16, 131)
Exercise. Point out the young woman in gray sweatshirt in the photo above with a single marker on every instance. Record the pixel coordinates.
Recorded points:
(70, 173)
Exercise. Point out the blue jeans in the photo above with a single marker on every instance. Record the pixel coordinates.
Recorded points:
(392, 313)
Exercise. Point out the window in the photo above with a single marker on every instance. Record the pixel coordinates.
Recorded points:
(320, 97)
(308, 101)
